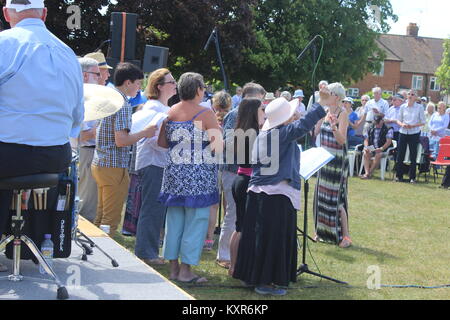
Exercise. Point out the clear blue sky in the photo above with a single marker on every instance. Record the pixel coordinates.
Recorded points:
(432, 17)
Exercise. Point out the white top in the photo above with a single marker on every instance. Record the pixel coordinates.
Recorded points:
(411, 115)
(393, 114)
(148, 152)
(282, 188)
(85, 126)
(381, 105)
(438, 123)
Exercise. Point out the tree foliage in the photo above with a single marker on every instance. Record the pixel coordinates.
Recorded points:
(284, 27)
(260, 39)
(185, 26)
(443, 72)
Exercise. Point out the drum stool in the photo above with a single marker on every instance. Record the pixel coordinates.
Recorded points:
(18, 184)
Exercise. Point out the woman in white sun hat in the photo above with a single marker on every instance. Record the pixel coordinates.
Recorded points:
(273, 200)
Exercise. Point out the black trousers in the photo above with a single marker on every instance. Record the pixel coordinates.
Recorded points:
(411, 141)
(446, 178)
(20, 160)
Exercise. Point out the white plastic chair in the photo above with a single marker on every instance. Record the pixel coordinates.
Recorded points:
(352, 158)
(383, 162)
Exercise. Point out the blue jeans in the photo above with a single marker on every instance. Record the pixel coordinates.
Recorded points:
(151, 215)
(185, 234)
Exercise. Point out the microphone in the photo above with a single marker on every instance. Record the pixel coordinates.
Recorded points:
(213, 33)
(101, 46)
(307, 47)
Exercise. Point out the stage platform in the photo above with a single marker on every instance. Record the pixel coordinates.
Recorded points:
(94, 279)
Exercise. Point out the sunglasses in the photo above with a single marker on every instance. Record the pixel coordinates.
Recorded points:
(411, 94)
(172, 82)
(98, 74)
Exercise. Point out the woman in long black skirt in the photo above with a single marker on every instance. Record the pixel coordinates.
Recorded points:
(267, 256)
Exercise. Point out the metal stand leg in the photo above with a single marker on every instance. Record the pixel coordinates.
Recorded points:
(17, 224)
(93, 245)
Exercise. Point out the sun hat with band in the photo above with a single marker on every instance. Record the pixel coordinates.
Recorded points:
(100, 58)
(20, 5)
(278, 112)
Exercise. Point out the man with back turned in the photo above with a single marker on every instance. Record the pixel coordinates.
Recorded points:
(41, 98)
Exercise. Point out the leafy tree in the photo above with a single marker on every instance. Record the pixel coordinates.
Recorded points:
(94, 26)
(284, 27)
(443, 72)
(184, 27)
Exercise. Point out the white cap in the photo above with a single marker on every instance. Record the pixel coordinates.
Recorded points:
(20, 5)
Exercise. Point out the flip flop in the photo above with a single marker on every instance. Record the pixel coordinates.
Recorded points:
(223, 264)
(195, 280)
(345, 243)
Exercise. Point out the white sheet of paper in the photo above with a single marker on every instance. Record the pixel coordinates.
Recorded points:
(312, 160)
(143, 118)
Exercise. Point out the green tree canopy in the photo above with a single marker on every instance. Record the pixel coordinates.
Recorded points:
(443, 72)
(284, 27)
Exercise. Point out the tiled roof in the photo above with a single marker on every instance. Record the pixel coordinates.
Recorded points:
(417, 54)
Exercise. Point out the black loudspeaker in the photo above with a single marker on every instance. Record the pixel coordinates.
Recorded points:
(155, 58)
(123, 35)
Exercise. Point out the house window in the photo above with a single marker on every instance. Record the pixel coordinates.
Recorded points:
(352, 92)
(434, 85)
(381, 72)
(417, 82)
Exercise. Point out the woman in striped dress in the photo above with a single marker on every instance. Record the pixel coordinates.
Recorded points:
(330, 198)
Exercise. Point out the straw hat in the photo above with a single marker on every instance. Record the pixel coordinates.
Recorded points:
(278, 111)
(100, 58)
(101, 101)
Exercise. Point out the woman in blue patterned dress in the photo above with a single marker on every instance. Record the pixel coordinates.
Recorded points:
(330, 197)
(189, 186)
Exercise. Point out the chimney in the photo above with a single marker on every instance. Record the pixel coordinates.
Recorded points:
(412, 30)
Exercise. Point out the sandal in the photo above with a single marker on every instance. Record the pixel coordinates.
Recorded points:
(194, 280)
(208, 246)
(224, 264)
(155, 261)
(346, 242)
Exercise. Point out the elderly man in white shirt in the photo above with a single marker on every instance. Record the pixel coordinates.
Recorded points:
(375, 106)
(411, 119)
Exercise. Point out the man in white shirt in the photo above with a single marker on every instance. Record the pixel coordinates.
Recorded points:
(376, 106)
(87, 187)
(411, 119)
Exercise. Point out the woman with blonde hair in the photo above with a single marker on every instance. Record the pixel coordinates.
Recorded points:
(330, 197)
(150, 163)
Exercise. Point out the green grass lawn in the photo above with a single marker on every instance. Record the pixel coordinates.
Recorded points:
(402, 229)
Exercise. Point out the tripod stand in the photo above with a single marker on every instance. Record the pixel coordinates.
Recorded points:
(304, 267)
(80, 239)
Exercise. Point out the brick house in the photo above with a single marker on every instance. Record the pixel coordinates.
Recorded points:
(411, 62)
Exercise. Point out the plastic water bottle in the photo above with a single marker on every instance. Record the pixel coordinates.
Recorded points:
(47, 252)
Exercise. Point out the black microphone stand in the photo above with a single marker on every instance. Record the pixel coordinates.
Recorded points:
(304, 267)
(215, 36)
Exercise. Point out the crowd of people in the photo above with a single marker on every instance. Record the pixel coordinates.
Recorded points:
(169, 176)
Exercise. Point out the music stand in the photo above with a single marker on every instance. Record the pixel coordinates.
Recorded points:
(311, 161)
